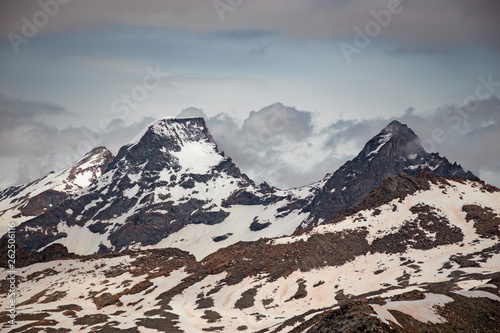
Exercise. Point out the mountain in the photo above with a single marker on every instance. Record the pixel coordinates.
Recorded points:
(417, 254)
(171, 187)
(395, 150)
(22, 202)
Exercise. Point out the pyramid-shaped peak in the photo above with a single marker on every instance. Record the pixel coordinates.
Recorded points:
(396, 139)
(398, 131)
(98, 150)
(395, 127)
(97, 156)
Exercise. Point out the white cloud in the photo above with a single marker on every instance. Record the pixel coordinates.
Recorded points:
(30, 146)
(286, 148)
(279, 144)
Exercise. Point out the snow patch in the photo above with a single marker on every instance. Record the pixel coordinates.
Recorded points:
(198, 157)
(383, 314)
(382, 141)
(131, 192)
(421, 310)
(477, 294)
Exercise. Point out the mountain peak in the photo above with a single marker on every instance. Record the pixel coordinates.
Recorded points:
(395, 140)
(395, 150)
(398, 129)
(169, 142)
(166, 125)
(26, 201)
(190, 128)
(395, 125)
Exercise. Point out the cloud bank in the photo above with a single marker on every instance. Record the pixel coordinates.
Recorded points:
(286, 147)
(279, 144)
(422, 25)
(31, 146)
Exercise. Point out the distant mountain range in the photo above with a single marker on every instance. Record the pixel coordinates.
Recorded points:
(170, 236)
(174, 188)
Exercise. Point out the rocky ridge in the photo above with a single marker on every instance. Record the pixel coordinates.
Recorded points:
(395, 150)
(414, 255)
(22, 202)
(170, 178)
(173, 187)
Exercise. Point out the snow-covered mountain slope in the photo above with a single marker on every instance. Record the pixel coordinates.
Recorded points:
(171, 187)
(420, 253)
(22, 202)
(275, 213)
(395, 150)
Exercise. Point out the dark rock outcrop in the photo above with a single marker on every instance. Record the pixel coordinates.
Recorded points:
(395, 150)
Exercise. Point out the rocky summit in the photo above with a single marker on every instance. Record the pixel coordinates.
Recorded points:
(22, 202)
(170, 236)
(395, 150)
(170, 187)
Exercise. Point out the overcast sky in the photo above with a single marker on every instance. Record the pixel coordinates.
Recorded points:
(291, 89)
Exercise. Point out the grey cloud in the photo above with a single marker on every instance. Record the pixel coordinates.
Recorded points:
(191, 112)
(242, 34)
(11, 108)
(22, 130)
(421, 25)
(264, 141)
(470, 138)
(278, 119)
(284, 146)
(28, 137)
(344, 131)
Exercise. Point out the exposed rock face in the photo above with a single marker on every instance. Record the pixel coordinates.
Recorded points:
(172, 177)
(19, 203)
(25, 258)
(461, 314)
(416, 255)
(486, 222)
(395, 150)
(135, 201)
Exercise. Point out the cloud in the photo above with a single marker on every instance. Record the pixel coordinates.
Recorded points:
(262, 143)
(466, 133)
(285, 147)
(278, 120)
(419, 25)
(30, 146)
(279, 144)
(191, 112)
(22, 130)
(259, 51)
